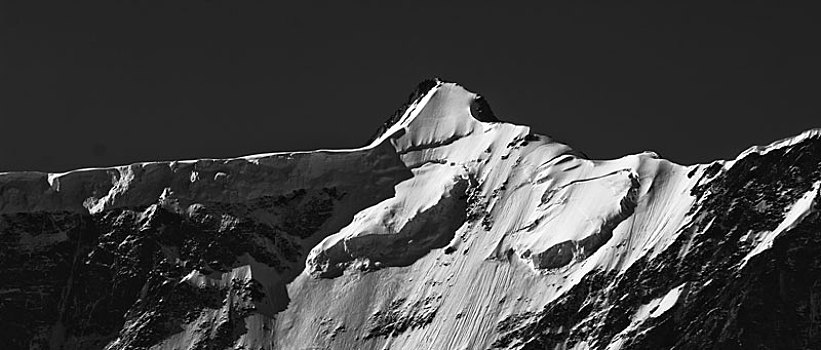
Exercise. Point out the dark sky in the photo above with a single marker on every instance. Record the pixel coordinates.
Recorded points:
(114, 82)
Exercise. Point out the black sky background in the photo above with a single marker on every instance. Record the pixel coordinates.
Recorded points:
(103, 83)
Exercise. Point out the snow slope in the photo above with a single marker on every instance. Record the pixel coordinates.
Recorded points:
(450, 230)
(542, 217)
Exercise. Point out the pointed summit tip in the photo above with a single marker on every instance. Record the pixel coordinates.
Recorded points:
(421, 90)
(478, 106)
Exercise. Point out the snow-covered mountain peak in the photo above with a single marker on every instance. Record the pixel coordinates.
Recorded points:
(438, 112)
(449, 230)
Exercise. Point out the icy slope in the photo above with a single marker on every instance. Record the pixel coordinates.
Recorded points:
(449, 230)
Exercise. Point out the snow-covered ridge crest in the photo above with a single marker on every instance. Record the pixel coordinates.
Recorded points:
(786, 142)
(94, 188)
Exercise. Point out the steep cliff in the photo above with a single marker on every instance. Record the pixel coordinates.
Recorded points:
(450, 230)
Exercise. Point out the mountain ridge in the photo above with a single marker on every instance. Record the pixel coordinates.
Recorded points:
(450, 230)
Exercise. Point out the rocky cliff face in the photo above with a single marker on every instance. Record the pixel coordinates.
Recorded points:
(450, 230)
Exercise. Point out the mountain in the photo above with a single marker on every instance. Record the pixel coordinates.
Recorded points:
(449, 230)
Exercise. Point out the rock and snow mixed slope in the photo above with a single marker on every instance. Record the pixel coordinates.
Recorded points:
(450, 230)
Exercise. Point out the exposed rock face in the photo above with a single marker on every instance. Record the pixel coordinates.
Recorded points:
(450, 230)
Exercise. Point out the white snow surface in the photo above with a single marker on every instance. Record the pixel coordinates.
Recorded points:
(552, 217)
(541, 217)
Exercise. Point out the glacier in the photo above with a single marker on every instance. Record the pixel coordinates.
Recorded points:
(450, 229)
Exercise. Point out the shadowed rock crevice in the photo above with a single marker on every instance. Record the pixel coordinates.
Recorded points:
(480, 109)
